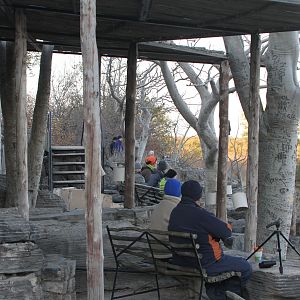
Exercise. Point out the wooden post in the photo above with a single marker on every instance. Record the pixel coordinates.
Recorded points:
(130, 126)
(223, 142)
(253, 136)
(39, 125)
(21, 119)
(95, 277)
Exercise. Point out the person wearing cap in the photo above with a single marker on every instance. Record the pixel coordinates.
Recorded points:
(168, 175)
(156, 177)
(138, 177)
(160, 216)
(149, 168)
(187, 216)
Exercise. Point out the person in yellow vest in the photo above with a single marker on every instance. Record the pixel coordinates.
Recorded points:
(168, 175)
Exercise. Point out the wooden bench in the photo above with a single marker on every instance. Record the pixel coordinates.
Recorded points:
(144, 195)
(138, 251)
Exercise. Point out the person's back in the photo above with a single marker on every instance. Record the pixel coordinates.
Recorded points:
(168, 175)
(119, 145)
(149, 167)
(156, 177)
(160, 216)
(187, 216)
(112, 146)
(138, 177)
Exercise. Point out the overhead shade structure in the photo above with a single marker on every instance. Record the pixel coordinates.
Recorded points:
(120, 22)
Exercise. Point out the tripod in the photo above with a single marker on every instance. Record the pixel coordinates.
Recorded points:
(278, 233)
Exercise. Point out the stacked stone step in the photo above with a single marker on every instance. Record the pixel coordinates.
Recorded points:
(58, 278)
(21, 260)
(269, 284)
(25, 273)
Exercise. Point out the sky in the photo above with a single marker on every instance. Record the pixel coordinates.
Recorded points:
(62, 62)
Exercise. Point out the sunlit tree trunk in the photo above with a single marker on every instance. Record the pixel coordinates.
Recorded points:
(204, 123)
(278, 127)
(278, 143)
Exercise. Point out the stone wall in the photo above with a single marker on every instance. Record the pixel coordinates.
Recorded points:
(25, 272)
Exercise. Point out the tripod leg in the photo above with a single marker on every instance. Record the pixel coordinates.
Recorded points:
(290, 244)
(257, 249)
(279, 252)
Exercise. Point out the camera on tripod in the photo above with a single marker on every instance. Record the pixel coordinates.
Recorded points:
(276, 223)
(278, 234)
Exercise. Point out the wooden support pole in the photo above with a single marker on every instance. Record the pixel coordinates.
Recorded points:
(21, 119)
(223, 142)
(39, 125)
(95, 277)
(253, 137)
(130, 126)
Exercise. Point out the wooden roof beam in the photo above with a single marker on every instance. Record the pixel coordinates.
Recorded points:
(112, 18)
(145, 10)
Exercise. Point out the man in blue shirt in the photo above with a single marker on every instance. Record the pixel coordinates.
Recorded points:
(187, 216)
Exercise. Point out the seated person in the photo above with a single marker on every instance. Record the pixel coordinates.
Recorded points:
(169, 174)
(149, 168)
(187, 216)
(138, 177)
(155, 178)
(159, 219)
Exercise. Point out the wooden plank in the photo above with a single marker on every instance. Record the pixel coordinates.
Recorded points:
(69, 163)
(21, 122)
(69, 182)
(130, 126)
(93, 198)
(253, 139)
(67, 148)
(145, 7)
(67, 154)
(223, 142)
(67, 172)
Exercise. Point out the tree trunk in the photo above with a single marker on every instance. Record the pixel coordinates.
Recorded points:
(8, 105)
(93, 198)
(21, 119)
(223, 143)
(253, 136)
(130, 126)
(146, 120)
(204, 125)
(278, 147)
(39, 126)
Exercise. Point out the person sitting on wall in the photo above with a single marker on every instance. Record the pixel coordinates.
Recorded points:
(150, 153)
(149, 168)
(156, 177)
(159, 219)
(168, 175)
(187, 216)
(138, 177)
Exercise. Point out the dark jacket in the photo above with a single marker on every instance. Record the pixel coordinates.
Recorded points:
(155, 178)
(187, 216)
(147, 171)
